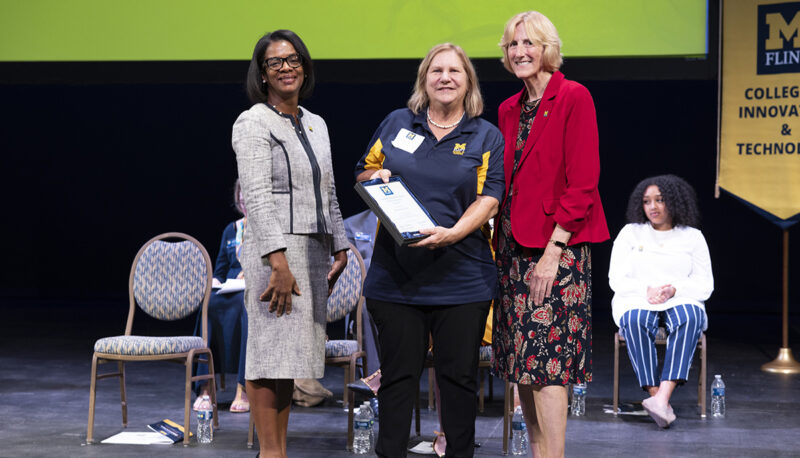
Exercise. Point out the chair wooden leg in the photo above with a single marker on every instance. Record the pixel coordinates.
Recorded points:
(222, 381)
(187, 397)
(431, 394)
(212, 388)
(351, 407)
(122, 393)
(92, 397)
(349, 396)
(508, 403)
(251, 427)
(615, 402)
(491, 385)
(481, 376)
(349, 376)
(702, 384)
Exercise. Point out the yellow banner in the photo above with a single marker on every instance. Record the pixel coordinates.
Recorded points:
(759, 150)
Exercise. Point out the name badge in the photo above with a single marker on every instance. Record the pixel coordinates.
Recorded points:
(407, 141)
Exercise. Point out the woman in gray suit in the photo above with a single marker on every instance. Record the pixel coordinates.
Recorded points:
(294, 226)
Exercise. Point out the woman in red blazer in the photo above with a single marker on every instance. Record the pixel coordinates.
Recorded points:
(550, 216)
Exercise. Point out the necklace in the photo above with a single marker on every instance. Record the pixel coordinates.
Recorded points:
(528, 107)
(285, 114)
(442, 126)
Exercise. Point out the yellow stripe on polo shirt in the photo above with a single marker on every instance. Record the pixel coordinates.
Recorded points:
(482, 171)
(375, 157)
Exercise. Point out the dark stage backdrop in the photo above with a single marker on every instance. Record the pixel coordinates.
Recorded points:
(91, 171)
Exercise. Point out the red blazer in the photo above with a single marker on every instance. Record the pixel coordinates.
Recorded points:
(556, 181)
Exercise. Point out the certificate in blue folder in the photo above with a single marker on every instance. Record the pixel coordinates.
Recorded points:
(397, 208)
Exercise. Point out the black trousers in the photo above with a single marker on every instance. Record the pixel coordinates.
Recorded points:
(403, 335)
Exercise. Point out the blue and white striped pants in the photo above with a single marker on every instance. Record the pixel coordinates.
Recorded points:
(684, 325)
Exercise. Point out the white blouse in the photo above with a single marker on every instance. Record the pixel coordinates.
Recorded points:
(643, 256)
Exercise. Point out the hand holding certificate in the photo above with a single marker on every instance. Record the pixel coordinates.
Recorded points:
(399, 211)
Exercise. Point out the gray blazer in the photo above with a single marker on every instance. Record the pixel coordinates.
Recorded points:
(277, 173)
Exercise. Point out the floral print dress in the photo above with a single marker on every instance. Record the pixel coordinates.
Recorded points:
(549, 344)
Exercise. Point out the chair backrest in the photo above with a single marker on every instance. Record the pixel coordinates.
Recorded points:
(170, 279)
(346, 294)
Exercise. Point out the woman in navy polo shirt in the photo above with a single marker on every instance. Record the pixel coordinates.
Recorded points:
(444, 284)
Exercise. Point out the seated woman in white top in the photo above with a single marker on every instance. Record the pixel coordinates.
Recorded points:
(661, 269)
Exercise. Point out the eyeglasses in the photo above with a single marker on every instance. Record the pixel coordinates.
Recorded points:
(276, 63)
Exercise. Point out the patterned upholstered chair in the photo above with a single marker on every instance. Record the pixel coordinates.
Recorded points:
(169, 280)
(346, 353)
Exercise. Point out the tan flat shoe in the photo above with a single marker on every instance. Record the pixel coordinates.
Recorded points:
(662, 416)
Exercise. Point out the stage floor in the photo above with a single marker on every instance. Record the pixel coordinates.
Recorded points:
(44, 391)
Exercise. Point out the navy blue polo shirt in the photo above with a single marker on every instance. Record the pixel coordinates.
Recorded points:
(446, 175)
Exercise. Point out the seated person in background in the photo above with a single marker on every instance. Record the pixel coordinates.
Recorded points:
(360, 230)
(227, 318)
(661, 269)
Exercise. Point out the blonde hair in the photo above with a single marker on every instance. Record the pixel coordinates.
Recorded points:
(473, 100)
(541, 32)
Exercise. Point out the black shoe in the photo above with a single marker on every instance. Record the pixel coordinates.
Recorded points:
(362, 388)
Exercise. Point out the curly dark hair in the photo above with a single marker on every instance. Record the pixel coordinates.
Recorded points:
(679, 198)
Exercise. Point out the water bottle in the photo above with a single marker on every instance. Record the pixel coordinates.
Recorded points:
(519, 436)
(362, 427)
(578, 399)
(718, 397)
(205, 433)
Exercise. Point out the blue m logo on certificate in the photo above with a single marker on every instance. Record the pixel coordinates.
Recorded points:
(398, 209)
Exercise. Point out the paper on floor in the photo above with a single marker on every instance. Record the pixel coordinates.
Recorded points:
(423, 448)
(139, 438)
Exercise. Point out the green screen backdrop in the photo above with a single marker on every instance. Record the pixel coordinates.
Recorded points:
(178, 30)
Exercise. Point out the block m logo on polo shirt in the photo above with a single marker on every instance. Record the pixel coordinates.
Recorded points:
(778, 38)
